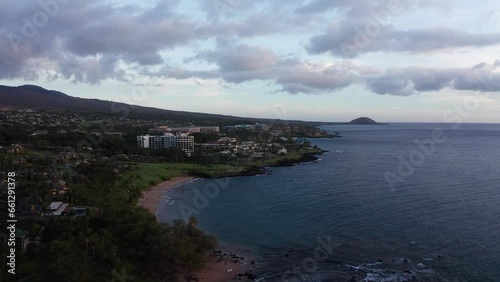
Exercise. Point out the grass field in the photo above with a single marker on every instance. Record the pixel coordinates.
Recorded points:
(146, 175)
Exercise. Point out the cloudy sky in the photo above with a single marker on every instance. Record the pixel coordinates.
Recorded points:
(329, 60)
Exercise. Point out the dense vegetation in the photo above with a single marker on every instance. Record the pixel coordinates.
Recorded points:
(114, 238)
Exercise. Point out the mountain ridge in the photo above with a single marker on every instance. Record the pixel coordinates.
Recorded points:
(36, 97)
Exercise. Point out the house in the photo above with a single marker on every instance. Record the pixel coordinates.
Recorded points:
(247, 145)
(282, 151)
(228, 140)
(57, 208)
(15, 149)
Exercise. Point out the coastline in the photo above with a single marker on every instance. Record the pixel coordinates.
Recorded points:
(223, 267)
(220, 266)
(151, 198)
(259, 167)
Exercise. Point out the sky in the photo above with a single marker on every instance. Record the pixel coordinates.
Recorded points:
(318, 60)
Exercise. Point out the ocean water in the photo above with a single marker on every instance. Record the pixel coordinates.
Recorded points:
(376, 207)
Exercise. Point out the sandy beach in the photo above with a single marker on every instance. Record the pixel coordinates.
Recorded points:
(151, 198)
(220, 267)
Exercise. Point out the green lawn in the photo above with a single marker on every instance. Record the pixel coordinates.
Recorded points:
(146, 175)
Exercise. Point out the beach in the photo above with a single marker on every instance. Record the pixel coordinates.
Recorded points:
(223, 267)
(151, 198)
(220, 267)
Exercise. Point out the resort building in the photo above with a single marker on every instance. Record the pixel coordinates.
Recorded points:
(167, 141)
(249, 127)
(188, 129)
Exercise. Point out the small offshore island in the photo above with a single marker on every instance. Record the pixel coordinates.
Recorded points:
(365, 121)
(357, 121)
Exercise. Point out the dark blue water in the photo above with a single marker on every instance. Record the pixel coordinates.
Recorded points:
(436, 218)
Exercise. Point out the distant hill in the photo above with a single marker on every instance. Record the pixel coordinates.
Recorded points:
(364, 121)
(35, 97)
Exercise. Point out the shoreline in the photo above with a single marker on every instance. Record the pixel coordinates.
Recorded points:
(258, 169)
(151, 198)
(223, 267)
(220, 266)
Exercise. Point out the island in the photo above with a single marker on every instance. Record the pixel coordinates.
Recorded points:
(365, 121)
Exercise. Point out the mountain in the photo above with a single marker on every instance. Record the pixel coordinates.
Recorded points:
(364, 121)
(36, 97)
(43, 90)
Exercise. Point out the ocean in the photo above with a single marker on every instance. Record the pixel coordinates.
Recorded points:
(398, 202)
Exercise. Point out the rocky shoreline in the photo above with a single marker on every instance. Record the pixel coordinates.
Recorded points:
(253, 170)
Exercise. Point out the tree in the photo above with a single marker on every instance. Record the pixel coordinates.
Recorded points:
(192, 222)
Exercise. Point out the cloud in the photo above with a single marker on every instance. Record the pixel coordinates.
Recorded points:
(306, 77)
(342, 41)
(409, 81)
(368, 26)
(241, 58)
(76, 35)
(355, 9)
(243, 63)
(91, 41)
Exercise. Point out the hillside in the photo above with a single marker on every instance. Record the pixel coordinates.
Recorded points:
(35, 97)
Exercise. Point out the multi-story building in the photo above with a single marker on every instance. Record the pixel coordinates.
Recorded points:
(167, 141)
(188, 129)
(185, 143)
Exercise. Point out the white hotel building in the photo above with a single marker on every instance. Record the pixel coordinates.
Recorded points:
(167, 141)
